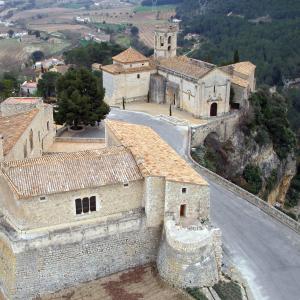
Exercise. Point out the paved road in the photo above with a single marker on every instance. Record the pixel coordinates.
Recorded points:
(266, 252)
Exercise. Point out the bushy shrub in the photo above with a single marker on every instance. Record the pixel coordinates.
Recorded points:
(252, 175)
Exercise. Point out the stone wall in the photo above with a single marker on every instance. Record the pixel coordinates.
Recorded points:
(131, 86)
(190, 258)
(65, 258)
(261, 204)
(58, 210)
(157, 89)
(223, 126)
(43, 136)
(196, 199)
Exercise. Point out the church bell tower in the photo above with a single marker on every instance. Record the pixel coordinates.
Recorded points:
(165, 41)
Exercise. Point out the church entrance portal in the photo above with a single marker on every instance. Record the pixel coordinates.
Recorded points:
(213, 109)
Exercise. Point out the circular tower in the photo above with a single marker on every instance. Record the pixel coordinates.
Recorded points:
(165, 41)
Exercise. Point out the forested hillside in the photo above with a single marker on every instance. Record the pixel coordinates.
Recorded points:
(266, 32)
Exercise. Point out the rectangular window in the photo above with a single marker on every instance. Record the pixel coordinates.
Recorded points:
(78, 206)
(85, 205)
(138, 76)
(183, 190)
(93, 203)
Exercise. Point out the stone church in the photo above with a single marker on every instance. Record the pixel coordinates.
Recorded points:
(195, 86)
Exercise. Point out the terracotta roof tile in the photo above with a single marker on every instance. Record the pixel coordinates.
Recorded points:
(130, 56)
(64, 172)
(119, 69)
(244, 67)
(186, 66)
(153, 156)
(12, 128)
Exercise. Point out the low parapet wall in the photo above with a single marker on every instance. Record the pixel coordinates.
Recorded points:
(79, 140)
(263, 205)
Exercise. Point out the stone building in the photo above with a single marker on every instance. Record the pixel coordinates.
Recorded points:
(73, 217)
(195, 86)
(26, 128)
(127, 78)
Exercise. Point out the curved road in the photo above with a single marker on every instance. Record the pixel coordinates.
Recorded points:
(266, 252)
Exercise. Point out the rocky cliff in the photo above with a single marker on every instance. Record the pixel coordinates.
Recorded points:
(249, 162)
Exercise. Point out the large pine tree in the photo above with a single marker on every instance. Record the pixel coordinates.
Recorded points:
(80, 99)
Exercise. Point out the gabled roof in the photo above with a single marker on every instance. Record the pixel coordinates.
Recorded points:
(186, 66)
(22, 100)
(130, 56)
(244, 67)
(65, 172)
(12, 128)
(120, 69)
(153, 156)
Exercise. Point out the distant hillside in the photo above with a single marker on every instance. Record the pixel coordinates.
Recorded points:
(263, 31)
(161, 2)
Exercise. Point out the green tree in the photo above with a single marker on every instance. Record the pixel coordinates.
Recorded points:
(10, 33)
(236, 56)
(37, 55)
(46, 86)
(9, 86)
(252, 175)
(134, 31)
(80, 99)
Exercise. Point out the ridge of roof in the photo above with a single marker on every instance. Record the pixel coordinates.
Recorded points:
(129, 55)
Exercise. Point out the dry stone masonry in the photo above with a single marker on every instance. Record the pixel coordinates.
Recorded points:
(70, 218)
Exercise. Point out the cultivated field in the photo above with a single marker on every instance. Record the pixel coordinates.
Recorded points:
(14, 53)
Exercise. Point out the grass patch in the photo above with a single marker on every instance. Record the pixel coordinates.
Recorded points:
(142, 9)
(122, 40)
(228, 290)
(110, 28)
(72, 5)
(196, 293)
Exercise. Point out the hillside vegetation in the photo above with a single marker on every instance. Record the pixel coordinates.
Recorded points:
(263, 31)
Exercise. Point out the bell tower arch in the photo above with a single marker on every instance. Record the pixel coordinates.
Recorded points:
(165, 41)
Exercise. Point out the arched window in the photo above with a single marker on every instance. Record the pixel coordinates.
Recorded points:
(169, 40)
(161, 41)
(31, 139)
(169, 48)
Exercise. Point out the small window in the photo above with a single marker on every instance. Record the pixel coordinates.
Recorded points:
(48, 126)
(183, 190)
(93, 203)
(43, 198)
(126, 184)
(169, 39)
(138, 76)
(31, 139)
(85, 205)
(78, 206)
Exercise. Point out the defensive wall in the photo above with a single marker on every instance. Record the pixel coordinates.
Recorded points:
(42, 264)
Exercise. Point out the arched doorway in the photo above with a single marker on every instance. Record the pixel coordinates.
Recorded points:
(214, 109)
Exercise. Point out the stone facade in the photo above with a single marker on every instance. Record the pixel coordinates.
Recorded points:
(26, 138)
(195, 86)
(160, 215)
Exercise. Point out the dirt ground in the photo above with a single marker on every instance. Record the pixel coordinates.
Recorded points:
(134, 284)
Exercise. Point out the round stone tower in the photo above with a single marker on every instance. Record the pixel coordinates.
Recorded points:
(165, 41)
